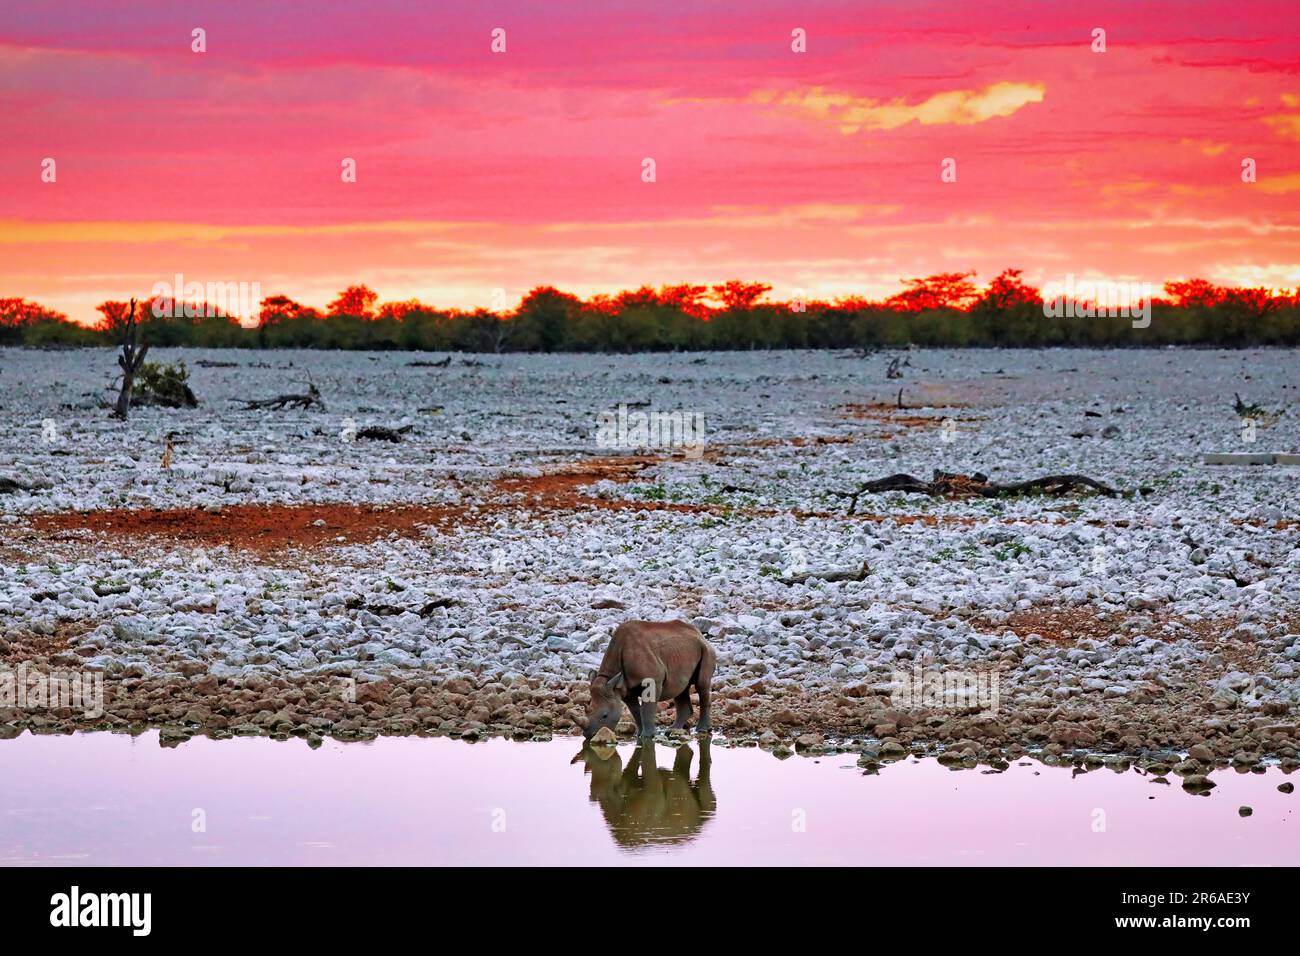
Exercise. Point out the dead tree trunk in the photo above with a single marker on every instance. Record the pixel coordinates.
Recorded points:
(947, 484)
(131, 359)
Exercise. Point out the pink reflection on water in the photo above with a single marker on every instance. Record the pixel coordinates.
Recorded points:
(107, 799)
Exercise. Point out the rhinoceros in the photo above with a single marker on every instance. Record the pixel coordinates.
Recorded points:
(646, 662)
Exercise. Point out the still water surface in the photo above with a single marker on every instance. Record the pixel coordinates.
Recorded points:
(111, 799)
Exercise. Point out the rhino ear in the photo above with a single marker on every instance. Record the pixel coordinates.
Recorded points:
(591, 676)
(616, 682)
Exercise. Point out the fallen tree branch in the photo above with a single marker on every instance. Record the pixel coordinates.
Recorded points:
(1052, 485)
(380, 433)
(833, 575)
(306, 400)
(950, 485)
(357, 604)
(10, 485)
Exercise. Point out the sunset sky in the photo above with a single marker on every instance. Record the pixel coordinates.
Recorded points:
(477, 170)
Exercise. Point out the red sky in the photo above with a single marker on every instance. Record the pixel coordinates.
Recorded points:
(477, 171)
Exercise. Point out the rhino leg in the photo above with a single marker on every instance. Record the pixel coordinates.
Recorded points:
(683, 704)
(647, 722)
(703, 683)
(635, 707)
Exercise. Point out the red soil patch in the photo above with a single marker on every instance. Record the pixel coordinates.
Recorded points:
(893, 415)
(560, 490)
(778, 442)
(1062, 625)
(564, 484)
(270, 528)
(1068, 625)
(877, 412)
(261, 527)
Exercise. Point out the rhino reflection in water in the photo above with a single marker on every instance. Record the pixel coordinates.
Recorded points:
(643, 804)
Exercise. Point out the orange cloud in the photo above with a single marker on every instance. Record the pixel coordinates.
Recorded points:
(1287, 125)
(954, 107)
(1205, 147)
(1280, 184)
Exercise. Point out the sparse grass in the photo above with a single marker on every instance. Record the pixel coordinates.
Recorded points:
(649, 492)
(1167, 479)
(1012, 549)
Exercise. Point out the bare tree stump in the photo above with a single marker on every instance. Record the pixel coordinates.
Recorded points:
(130, 360)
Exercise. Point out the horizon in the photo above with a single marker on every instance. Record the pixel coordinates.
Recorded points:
(963, 293)
(478, 171)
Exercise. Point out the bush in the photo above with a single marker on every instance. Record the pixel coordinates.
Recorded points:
(165, 385)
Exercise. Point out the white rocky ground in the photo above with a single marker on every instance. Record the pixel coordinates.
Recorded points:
(1166, 619)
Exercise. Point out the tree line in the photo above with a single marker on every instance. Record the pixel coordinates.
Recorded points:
(945, 310)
